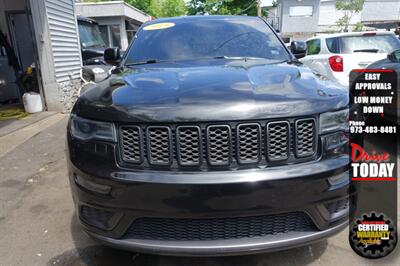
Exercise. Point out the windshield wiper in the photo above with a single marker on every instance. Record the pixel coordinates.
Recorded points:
(150, 61)
(291, 61)
(288, 61)
(371, 50)
(245, 58)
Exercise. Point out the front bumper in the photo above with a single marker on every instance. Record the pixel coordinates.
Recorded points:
(220, 247)
(303, 188)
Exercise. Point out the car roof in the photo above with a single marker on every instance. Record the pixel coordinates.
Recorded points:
(198, 18)
(358, 33)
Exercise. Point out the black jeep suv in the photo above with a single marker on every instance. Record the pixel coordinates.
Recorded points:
(210, 138)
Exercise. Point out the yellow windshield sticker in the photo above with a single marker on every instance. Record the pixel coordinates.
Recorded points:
(159, 26)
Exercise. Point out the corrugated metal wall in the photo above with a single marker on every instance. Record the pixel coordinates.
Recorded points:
(64, 39)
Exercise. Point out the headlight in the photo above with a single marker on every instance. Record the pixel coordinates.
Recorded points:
(335, 140)
(86, 129)
(334, 121)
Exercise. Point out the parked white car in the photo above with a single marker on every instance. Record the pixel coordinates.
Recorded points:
(335, 55)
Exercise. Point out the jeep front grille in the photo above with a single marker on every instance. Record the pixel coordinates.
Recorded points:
(229, 145)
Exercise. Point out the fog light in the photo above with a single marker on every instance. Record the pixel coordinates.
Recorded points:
(335, 140)
(97, 217)
(92, 186)
(339, 179)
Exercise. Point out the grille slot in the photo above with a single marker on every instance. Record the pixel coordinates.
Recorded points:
(131, 139)
(219, 145)
(248, 143)
(305, 137)
(278, 140)
(188, 139)
(219, 228)
(159, 145)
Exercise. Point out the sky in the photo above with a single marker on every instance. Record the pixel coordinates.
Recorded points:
(266, 2)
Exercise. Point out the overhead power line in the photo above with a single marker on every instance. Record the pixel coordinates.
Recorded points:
(247, 8)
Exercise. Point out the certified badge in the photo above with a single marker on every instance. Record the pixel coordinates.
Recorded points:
(373, 236)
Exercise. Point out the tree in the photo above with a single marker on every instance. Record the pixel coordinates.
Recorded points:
(154, 8)
(350, 7)
(143, 5)
(171, 8)
(222, 7)
(358, 26)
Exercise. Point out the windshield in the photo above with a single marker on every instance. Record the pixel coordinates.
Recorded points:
(206, 38)
(90, 36)
(369, 43)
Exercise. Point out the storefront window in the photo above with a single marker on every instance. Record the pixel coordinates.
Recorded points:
(115, 36)
(104, 34)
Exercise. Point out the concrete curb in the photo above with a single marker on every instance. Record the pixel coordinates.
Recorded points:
(9, 126)
(10, 141)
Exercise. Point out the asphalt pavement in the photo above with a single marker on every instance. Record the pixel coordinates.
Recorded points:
(38, 225)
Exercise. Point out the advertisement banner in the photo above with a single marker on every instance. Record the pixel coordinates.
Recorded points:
(373, 170)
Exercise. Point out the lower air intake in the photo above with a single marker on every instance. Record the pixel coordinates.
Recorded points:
(218, 228)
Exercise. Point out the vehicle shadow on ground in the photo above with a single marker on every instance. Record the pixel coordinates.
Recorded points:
(88, 252)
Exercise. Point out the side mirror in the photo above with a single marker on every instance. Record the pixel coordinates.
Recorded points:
(112, 56)
(394, 56)
(298, 49)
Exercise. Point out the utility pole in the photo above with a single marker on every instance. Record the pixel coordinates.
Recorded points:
(259, 8)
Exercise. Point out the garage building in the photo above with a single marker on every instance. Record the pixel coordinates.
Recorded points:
(39, 52)
(118, 21)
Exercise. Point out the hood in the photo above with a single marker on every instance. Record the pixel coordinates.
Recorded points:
(192, 91)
